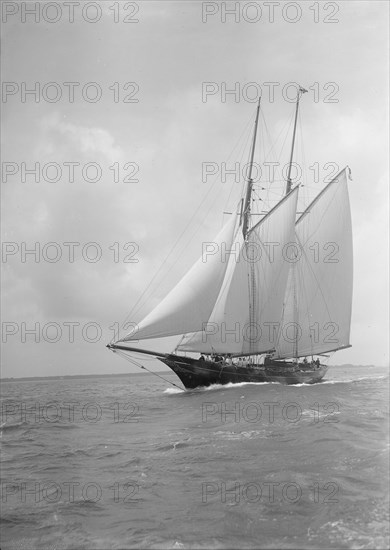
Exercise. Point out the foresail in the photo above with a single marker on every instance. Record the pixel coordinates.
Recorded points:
(251, 298)
(317, 308)
(191, 301)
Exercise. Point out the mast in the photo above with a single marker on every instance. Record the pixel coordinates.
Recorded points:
(247, 203)
(288, 189)
(289, 183)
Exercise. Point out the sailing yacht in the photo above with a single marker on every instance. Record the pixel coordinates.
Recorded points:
(275, 307)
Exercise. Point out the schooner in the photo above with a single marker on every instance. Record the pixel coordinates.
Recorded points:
(273, 309)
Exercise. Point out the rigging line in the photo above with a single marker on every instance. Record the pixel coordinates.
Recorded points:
(273, 143)
(272, 152)
(233, 184)
(259, 182)
(283, 130)
(184, 246)
(282, 317)
(244, 148)
(263, 182)
(304, 200)
(322, 217)
(179, 257)
(288, 123)
(302, 145)
(266, 136)
(227, 281)
(137, 306)
(250, 296)
(245, 179)
(184, 336)
(257, 195)
(314, 188)
(302, 290)
(285, 137)
(123, 354)
(295, 311)
(200, 223)
(252, 299)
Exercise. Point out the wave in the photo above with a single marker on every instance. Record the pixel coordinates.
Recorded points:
(10, 427)
(331, 382)
(216, 387)
(174, 390)
(213, 387)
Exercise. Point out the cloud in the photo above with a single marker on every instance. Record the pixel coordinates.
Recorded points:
(76, 138)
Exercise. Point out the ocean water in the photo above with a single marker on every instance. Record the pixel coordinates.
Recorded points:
(133, 462)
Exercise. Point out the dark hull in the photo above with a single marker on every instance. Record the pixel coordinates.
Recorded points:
(195, 373)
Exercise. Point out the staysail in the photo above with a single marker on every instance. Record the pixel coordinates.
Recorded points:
(252, 294)
(191, 301)
(317, 307)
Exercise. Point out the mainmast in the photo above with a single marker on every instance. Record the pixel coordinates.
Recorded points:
(289, 183)
(288, 189)
(247, 202)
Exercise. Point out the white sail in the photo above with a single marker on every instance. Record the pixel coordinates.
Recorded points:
(318, 302)
(251, 297)
(191, 301)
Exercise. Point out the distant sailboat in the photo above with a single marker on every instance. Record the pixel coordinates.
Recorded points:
(270, 310)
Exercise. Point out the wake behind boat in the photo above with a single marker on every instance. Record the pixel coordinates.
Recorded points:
(273, 305)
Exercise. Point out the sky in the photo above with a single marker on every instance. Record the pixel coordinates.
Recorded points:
(117, 106)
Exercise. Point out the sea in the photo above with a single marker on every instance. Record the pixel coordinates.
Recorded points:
(133, 461)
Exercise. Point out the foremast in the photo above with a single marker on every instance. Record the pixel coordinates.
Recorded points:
(248, 195)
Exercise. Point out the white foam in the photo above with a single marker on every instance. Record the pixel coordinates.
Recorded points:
(240, 384)
(234, 385)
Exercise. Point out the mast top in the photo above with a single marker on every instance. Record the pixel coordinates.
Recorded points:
(301, 91)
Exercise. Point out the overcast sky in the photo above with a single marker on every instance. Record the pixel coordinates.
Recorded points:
(145, 119)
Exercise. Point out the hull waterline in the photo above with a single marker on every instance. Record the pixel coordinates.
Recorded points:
(195, 373)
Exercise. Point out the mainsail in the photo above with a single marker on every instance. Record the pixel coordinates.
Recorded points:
(317, 307)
